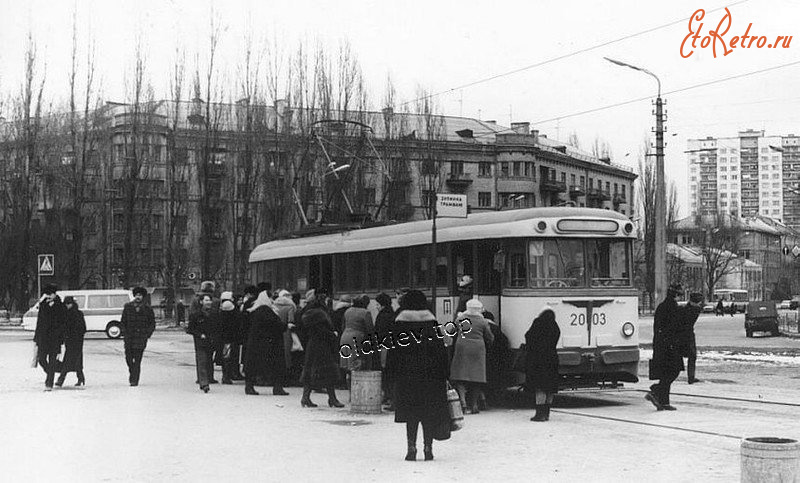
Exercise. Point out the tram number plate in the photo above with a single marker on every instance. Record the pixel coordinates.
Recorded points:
(598, 318)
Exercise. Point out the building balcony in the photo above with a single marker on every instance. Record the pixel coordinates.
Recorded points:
(576, 190)
(598, 194)
(215, 170)
(619, 199)
(458, 181)
(553, 186)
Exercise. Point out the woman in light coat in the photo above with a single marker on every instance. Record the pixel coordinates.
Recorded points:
(358, 326)
(468, 368)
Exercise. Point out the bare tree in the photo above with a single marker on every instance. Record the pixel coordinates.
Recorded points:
(646, 191)
(722, 236)
(428, 150)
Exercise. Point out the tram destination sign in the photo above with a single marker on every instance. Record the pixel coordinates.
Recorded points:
(451, 206)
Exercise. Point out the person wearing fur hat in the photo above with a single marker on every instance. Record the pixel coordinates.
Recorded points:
(264, 353)
(420, 372)
(465, 293)
(204, 325)
(138, 324)
(468, 368)
(229, 330)
(50, 332)
(667, 363)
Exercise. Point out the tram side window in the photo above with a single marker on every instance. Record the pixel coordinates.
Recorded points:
(608, 263)
(400, 257)
(517, 270)
(421, 270)
(373, 270)
(342, 271)
(556, 263)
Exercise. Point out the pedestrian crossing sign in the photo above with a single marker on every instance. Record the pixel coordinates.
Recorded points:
(46, 264)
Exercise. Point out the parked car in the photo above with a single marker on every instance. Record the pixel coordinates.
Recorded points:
(785, 304)
(102, 310)
(761, 317)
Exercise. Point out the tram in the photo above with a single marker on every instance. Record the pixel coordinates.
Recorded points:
(575, 261)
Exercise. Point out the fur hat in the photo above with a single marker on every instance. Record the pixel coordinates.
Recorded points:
(474, 306)
(49, 289)
(139, 291)
(226, 296)
(227, 306)
(465, 281)
(207, 287)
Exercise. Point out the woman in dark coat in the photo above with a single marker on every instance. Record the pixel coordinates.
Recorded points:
(204, 326)
(419, 367)
(667, 362)
(73, 343)
(541, 362)
(50, 331)
(384, 323)
(264, 347)
(321, 368)
(496, 361)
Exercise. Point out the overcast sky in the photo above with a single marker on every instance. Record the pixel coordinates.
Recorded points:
(442, 45)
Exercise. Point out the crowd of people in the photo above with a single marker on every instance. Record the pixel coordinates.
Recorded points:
(275, 341)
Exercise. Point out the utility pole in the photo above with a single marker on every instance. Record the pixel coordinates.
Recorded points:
(659, 257)
(660, 260)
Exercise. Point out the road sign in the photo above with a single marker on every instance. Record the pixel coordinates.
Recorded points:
(451, 206)
(796, 251)
(46, 265)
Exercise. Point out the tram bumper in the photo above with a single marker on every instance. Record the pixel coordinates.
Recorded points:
(599, 364)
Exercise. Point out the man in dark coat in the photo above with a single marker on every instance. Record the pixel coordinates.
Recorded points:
(667, 362)
(688, 344)
(541, 362)
(138, 324)
(264, 354)
(50, 332)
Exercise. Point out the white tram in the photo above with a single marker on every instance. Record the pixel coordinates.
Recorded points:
(575, 261)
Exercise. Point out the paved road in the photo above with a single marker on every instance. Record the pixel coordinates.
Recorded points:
(166, 429)
(724, 332)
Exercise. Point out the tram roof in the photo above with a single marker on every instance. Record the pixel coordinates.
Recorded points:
(478, 226)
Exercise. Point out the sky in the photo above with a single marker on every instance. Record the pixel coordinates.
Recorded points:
(489, 60)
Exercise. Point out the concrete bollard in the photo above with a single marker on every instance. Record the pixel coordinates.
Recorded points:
(770, 459)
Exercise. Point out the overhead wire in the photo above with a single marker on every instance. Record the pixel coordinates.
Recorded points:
(561, 57)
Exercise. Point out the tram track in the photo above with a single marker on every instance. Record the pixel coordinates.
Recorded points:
(645, 423)
(721, 398)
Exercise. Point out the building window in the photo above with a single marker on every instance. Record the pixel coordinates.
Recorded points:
(504, 169)
(572, 179)
(484, 169)
(517, 168)
(484, 199)
(616, 188)
(564, 178)
(583, 182)
(457, 167)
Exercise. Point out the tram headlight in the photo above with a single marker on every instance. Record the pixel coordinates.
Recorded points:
(628, 228)
(541, 226)
(627, 329)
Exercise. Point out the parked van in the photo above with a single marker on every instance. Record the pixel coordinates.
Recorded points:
(101, 308)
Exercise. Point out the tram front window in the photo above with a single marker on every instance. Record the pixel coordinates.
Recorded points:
(608, 262)
(556, 263)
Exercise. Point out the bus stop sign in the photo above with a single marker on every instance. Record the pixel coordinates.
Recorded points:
(46, 265)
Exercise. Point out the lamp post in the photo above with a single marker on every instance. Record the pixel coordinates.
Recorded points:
(659, 257)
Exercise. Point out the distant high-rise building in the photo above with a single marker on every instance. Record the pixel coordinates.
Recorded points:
(747, 175)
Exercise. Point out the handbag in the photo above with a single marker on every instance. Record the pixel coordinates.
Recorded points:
(227, 351)
(296, 345)
(454, 405)
(519, 359)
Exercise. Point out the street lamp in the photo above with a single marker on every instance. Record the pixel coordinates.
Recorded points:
(659, 258)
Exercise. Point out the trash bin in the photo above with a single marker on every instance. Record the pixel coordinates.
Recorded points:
(769, 459)
(365, 392)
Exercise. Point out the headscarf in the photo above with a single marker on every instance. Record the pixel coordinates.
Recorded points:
(474, 307)
(263, 300)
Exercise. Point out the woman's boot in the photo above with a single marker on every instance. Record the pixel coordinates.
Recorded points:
(81, 379)
(61, 378)
(540, 413)
(332, 400)
(428, 450)
(411, 437)
(305, 401)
